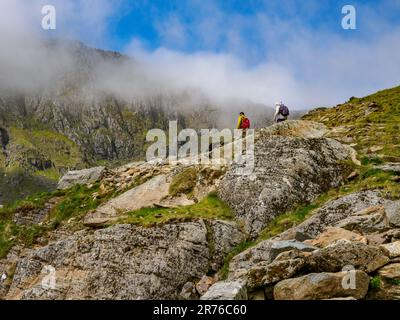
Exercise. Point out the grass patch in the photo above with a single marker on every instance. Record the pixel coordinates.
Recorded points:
(73, 202)
(369, 121)
(211, 207)
(293, 217)
(396, 282)
(62, 151)
(184, 182)
(76, 200)
(375, 282)
(371, 160)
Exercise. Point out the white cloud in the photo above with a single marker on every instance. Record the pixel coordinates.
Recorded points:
(299, 65)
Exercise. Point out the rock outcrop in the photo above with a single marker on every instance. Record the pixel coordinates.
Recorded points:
(315, 259)
(124, 262)
(83, 176)
(288, 171)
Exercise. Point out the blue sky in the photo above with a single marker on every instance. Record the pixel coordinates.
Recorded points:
(260, 50)
(212, 25)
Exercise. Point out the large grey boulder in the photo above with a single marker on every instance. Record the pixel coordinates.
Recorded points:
(287, 171)
(316, 286)
(124, 262)
(144, 195)
(262, 255)
(344, 253)
(84, 176)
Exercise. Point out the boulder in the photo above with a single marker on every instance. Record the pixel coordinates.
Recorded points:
(369, 220)
(120, 262)
(226, 290)
(393, 249)
(332, 234)
(262, 275)
(392, 209)
(343, 253)
(333, 212)
(265, 252)
(287, 171)
(390, 271)
(315, 286)
(144, 195)
(84, 176)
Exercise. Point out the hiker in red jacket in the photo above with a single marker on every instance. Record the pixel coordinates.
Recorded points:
(243, 123)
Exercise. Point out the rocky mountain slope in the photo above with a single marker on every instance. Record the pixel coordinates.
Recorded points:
(316, 220)
(92, 111)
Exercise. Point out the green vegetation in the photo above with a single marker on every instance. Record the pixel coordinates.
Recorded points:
(211, 207)
(36, 158)
(375, 282)
(223, 272)
(63, 152)
(396, 282)
(184, 182)
(69, 203)
(370, 121)
(15, 184)
(10, 232)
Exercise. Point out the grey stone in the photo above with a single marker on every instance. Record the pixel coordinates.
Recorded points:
(287, 171)
(262, 275)
(392, 209)
(316, 286)
(265, 252)
(84, 176)
(144, 195)
(226, 290)
(121, 262)
(342, 253)
(393, 248)
(280, 246)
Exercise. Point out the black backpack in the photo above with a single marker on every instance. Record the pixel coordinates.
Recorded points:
(283, 110)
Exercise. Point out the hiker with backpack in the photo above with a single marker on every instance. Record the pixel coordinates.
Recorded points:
(281, 112)
(243, 122)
